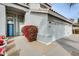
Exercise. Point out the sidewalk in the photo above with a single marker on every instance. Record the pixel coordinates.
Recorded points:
(63, 47)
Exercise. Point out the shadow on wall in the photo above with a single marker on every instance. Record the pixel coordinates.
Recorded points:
(64, 42)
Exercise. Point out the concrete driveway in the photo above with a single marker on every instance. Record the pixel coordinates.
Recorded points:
(70, 44)
(64, 47)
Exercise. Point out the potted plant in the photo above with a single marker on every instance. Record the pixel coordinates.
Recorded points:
(30, 32)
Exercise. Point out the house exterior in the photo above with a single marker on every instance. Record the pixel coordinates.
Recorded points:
(75, 28)
(51, 25)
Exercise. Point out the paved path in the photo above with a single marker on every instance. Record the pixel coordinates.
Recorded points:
(64, 47)
(70, 44)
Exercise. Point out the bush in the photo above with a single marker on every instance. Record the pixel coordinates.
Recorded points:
(2, 36)
(1, 42)
(30, 32)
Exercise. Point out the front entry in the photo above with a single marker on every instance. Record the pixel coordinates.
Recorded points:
(10, 26)
(10, 29)
(15, 21)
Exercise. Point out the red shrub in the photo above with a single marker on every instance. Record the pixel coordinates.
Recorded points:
(1, 51)
(30, 32)
(1, 42)
(3, 37)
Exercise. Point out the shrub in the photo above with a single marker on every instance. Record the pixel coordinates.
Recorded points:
(2, 45)
(2, 51)
(30, 32)
(3, 37)
(1, 42)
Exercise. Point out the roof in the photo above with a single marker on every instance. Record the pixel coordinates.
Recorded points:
(51, 12)
(54, 13)
(76, 24)
(47, 4)
(48, 11)
(23, 5)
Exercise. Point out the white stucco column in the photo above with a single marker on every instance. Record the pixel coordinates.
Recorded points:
(27, 18)
(17, 25)
(2, 20)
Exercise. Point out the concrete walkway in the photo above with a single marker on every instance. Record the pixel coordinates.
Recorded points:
(70, 44)
(64, 47)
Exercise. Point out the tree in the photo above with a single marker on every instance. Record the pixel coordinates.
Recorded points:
(78, 20)
(71, 4)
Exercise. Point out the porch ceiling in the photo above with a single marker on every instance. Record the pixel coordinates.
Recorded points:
(15, 11)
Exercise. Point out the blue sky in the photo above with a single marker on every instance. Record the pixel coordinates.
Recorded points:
(65, 10)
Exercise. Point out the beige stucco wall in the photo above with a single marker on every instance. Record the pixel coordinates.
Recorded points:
(2, 20)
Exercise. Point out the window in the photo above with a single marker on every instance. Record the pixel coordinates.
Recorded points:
(21, 18)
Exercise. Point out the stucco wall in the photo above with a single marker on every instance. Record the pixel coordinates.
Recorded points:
(60, 28)
(2, 20)
(34, 6)
(41, 21)
(68, 29)
(48, 32)
(34, 18)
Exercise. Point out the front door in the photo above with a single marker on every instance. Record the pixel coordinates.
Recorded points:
(10, 29)
(10, 26)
